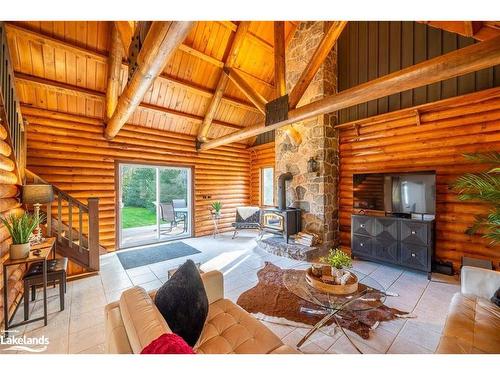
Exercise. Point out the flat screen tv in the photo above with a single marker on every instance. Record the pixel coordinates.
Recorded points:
(402, 194)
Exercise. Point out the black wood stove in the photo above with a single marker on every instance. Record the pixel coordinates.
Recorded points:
(282, 220)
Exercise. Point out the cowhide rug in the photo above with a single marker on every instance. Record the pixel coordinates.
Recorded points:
(271, 298)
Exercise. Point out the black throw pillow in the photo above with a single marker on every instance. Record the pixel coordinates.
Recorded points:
(183, 302)
(496, 297)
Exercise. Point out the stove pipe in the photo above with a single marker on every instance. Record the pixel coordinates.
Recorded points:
(282, 189)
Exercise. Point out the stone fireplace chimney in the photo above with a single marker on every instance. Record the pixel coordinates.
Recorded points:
(314, 192)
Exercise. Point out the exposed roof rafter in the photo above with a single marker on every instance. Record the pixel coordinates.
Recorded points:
(459, 62)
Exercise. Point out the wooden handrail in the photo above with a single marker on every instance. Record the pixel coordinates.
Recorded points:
(73, 242)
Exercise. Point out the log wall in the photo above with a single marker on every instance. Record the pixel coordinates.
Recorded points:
(260, 156)
(70, 152)
(9, 203)
(429, 137)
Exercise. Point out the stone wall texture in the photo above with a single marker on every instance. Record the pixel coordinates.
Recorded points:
(316, 193)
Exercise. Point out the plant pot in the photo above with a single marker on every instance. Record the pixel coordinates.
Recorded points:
(19, 251)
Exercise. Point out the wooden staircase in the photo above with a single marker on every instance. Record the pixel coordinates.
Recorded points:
(74, 224)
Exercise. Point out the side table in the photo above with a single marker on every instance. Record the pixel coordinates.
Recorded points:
(215, 221)
(44, 248)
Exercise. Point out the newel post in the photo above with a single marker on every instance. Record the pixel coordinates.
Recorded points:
(93, 204)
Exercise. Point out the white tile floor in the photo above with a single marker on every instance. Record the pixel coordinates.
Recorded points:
(80, 327)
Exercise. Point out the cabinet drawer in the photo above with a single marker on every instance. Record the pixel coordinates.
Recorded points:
(362, 225)
(415, 233)
(362, 245)
(386, 250)
(415, 256)
(386, 228)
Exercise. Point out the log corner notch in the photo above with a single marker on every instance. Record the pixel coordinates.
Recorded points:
(456, 63)
(161, 42)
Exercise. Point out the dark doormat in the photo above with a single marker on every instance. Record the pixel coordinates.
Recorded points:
(155, 254)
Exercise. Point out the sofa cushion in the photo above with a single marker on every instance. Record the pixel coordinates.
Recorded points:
(168, 343)
(141, 319)
(472, 326)
(183, 302)
(230, 329)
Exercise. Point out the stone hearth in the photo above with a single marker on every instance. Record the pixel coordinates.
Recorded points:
(276, 245)
(314, 192)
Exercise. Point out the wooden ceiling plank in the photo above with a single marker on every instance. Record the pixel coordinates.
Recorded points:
(324, 47)
(257, 99)
(232, 54)
(161, 42)
(126, 32)
(279, 59)
(114, 69)
(65, 46)
(207, 58)
(65, 89)
(459, 62)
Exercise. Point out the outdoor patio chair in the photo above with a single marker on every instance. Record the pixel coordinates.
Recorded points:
(167, 214)
(180, 210)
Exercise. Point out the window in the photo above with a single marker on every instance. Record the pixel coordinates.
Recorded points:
(267, 186)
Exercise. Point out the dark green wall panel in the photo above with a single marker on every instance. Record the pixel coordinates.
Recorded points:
(368, 50)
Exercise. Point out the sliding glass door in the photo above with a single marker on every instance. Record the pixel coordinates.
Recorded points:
(154, 204)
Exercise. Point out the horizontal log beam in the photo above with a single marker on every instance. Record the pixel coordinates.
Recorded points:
(63, 88)
(465, 60)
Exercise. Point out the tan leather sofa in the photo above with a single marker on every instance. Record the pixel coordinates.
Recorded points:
(134, 321)
(473, 321)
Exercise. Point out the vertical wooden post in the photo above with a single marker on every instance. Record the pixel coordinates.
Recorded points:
(114, 70)
(80, 230)
(59, 218)
(279, 59)
(70, 224)
(49, 219)
(93, 205)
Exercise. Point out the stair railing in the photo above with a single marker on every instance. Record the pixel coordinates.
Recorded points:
(77, 242)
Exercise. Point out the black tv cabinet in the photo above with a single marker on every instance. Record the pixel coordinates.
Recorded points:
(404, 242)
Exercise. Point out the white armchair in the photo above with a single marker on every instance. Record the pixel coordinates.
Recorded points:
(479, 281)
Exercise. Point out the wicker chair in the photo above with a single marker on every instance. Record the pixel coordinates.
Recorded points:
(251, 222)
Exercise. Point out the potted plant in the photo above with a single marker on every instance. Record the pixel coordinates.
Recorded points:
(216, 208)
(20, 228)
(483, 187)
(337, 260)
